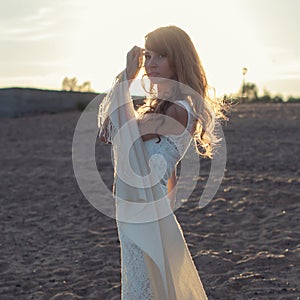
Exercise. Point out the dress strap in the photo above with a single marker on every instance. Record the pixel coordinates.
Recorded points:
(186, 105)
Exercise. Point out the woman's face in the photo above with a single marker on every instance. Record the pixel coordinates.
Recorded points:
(157, 66)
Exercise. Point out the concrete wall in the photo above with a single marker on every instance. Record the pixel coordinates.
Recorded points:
(16, 102)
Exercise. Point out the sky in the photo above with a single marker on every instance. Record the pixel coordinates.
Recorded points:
(43, 41)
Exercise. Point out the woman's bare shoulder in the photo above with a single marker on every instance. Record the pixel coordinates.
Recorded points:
(179, 113)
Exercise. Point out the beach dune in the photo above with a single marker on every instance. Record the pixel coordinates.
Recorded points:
(245, 243)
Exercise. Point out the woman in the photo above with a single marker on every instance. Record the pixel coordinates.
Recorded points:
(155, 260)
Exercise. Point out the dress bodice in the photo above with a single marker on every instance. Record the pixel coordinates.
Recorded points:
(164, 155)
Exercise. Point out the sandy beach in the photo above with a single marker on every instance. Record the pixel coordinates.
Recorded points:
(245, 243)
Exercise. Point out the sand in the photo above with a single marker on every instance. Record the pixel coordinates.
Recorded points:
(245, 243)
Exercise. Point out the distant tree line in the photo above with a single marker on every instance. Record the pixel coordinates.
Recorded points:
(70, 84)
(248, 93)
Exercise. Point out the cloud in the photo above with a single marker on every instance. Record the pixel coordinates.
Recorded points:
(30, 16)
(35, 30)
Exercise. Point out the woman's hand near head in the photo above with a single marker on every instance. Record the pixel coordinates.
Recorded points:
(134, 62)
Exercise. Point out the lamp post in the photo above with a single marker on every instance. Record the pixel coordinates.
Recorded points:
(244, 72)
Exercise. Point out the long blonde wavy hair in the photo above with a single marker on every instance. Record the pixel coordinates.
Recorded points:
(184, 59)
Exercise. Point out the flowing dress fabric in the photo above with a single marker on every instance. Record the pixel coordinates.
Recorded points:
(155, 260)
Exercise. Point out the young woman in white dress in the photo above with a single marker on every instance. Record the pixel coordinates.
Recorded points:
(166, 270)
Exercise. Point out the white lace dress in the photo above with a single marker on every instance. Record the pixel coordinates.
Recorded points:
(135, 283)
